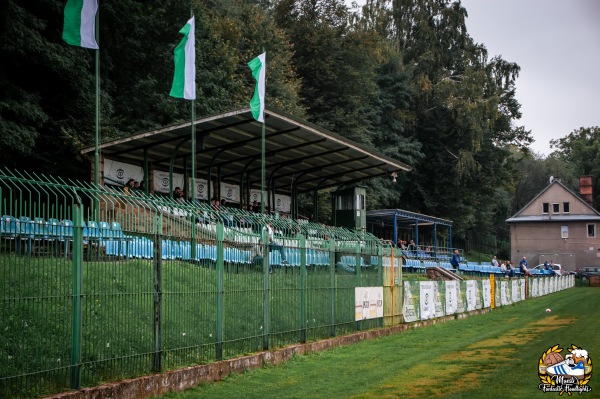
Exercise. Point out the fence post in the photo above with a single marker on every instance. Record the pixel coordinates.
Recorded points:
(157, 260)
(357, 259)
(332, 284)
(266, 289)
(303, 288)
(77, 293)
(220, 328)
(381, 282)
(193, 236)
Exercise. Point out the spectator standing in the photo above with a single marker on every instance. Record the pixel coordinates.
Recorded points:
(273, 245)
(523, 267)
(455, 261)
(495, 261)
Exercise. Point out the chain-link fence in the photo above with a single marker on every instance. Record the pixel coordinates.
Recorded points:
(99, 285)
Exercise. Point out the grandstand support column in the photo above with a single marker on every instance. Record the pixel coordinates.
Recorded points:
(157, 319)
(395, 227)
(220, 322)
(77, 295)
(417, 235)
(435, 244)
(332, 284)
(303, 288)
(315, 206)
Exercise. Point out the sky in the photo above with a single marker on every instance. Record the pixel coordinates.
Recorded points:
(557, 45)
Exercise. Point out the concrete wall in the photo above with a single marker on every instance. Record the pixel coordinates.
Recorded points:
(179, 380)
(541, 241)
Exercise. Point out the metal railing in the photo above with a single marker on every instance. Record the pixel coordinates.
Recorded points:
(98, 285)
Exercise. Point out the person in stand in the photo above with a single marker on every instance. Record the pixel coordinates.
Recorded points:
(523, 267)
(178, 194)
(510, 271)
(128, 187)
(495, 261)
(455, 260)
(551, 268)
(273, 245)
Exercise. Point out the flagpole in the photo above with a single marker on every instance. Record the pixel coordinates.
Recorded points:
(97, 100)
(96, 206)
(262, 151)
(193, 116)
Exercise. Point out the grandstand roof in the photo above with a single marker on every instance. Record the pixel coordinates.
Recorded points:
(391, 217)
(296, 151)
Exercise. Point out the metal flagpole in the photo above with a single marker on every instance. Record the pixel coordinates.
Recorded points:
(262, 151)
(96, 206)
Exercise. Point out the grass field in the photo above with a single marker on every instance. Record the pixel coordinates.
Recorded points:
(488, 356)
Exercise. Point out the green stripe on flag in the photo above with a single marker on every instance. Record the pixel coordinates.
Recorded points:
(184, 77)
(80, 23)
(257, 103)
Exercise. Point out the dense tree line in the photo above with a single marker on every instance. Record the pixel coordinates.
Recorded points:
(401, 76)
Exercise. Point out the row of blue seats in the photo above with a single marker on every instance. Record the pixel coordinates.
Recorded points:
(53, 229)
(489, 269)
(421, 266)
(142, 247)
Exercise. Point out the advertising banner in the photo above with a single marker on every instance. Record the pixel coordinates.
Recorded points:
(368, 303)
(118, 173)
(161, 181)
(426, 300)
(451, 293)
(471, 295)
(410, 307)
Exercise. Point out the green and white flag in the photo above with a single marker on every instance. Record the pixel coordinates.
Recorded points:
(184, 78)
(80, 23)
(257, 103)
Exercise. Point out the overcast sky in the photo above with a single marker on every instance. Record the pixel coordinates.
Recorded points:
(557, 45)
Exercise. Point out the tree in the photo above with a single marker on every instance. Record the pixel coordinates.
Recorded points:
(337, 65)
(581, 150)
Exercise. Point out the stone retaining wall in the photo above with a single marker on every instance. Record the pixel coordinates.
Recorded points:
(178, 380)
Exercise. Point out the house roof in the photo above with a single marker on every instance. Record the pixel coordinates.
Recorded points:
(518, 218)
(297, 152)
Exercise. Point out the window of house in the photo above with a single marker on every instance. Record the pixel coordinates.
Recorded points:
(555, 208)
(545, 207)
(566, 207)
(591, 230)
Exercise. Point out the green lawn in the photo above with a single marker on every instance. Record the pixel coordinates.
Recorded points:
(489, 356)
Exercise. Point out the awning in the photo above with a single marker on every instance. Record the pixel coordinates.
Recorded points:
(297, 153)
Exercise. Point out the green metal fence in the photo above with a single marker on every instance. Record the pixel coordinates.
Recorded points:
(99, 286)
